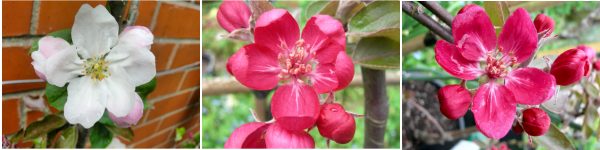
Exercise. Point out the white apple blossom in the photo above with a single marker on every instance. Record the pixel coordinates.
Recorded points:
(102, 68)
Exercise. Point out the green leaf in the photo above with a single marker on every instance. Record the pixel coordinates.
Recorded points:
(377, 53)
(321, 7)
(42, 127)
(376, 16)
(68, 138)
(126, 133)
(63, 34)
(179, 133)
(100, 136)
(590, 119)
(105, 119)
(145, 89)
(498, 12)
(554, 139)
(57, 96)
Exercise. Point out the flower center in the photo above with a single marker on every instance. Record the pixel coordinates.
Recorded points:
(96, 68)
(296, 62)
(495, 68)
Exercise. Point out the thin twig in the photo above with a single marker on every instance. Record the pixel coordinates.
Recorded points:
(413, 10)
(430, 118)
(439, 11)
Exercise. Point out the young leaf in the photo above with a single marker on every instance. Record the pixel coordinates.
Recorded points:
(68, 138)
(179, 133)
(39, 128)
(321, 7)
(145, 89)
(498, 12)
(377, 53)
(554, 139)
(126, 133)
(106, 120)
(63, 34)
(100, 136)
(57, 96)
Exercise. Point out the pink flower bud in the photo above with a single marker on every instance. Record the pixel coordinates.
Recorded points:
(132, 118)
(336, 124)
(597, 65)
(48, 46)
(517, 129)
(454, 101)
(233, 15)
(535, 121)
(544, 25)
(570, 66)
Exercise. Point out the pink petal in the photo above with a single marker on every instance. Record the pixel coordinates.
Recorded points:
(530, 86)
(137, 35)
(233, 15)
(320, 30)
(277, 30)
(454, 101)
(335, 123)
(494, 109)
(249, 135)
(278, 137)
(450, 59)
(470, 8)
(597, 65)
(518, 37)
(261, 69)
(324, 78)
(295, 106)
(132, 118)
(49, 45)
(474, 34)
(328, 53)
(344, 70)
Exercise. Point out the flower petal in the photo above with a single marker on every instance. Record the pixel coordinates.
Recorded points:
(277, 30)
(449, 58)
(38, 64)
(278, 137)
(295, 106)
(85, 102)
(133, 117)
(344, 70)
(494, 109)
(95, 31)
(263, 68)
(570, 66)
(49, 45)
(518, 38)
(121, 95)
(530, 86)
(474, 34)
(63, 66)
(470, 8)
(589, 52)
(248, 135)
(237, 64)
(233, 15)
(322, 30)
(137, 35)
(136, 63)
(454, 101)
(324, 78)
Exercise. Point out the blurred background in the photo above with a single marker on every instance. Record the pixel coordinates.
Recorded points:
(424, 127)
(226, 104)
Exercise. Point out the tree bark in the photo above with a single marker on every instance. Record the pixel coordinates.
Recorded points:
(376, 107)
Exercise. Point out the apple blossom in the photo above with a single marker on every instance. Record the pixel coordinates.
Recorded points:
(249, 135)
(102, 68)
(132, 118)
(278, 137)
(48, 46)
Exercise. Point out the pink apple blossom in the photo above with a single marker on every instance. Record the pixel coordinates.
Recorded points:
(233, 15)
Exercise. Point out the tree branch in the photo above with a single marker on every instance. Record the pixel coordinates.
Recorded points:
(415, 12)
(439, 11)
(376, 107)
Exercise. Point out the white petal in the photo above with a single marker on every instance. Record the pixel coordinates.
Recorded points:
(85, 104)
(63, 66)
(137, 64)
(49, 45)
(137, 35)
(121, 95)
(38, 61)
(95, 31)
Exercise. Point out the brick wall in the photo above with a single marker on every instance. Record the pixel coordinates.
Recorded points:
(176, 27)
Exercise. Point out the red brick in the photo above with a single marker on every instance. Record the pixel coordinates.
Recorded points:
(192, 79)
(188, 125)
(166, 84)
(16, 64)
(145, 13)
(177, 21)
(16, 16)
(144, 131)
(186, 54)
(34, 116)
(10, 116)
(168, 105)
(155, 140)
(57, 15)
(162, 53)
(179, 116)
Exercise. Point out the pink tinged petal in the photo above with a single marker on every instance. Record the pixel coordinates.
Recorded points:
(139, 36)
(295, 106)
(133, 117)
(454, 101)
(475, 34)
(233, 15)
(63, 66)
(263, 68)
(49, 45)
(94, 31)
(530, 86)
(249, 135)
(544, 25)
(321, 30)
(450, 59)
(570, 66)
(38, 63)
(589, 52)
(137, 64)
(327, 53)
(277, 30)
(278, 137)
(518, 38)
(121, 98)
(324, 78)
(469, 8)
(494, 109)
(344, 70)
